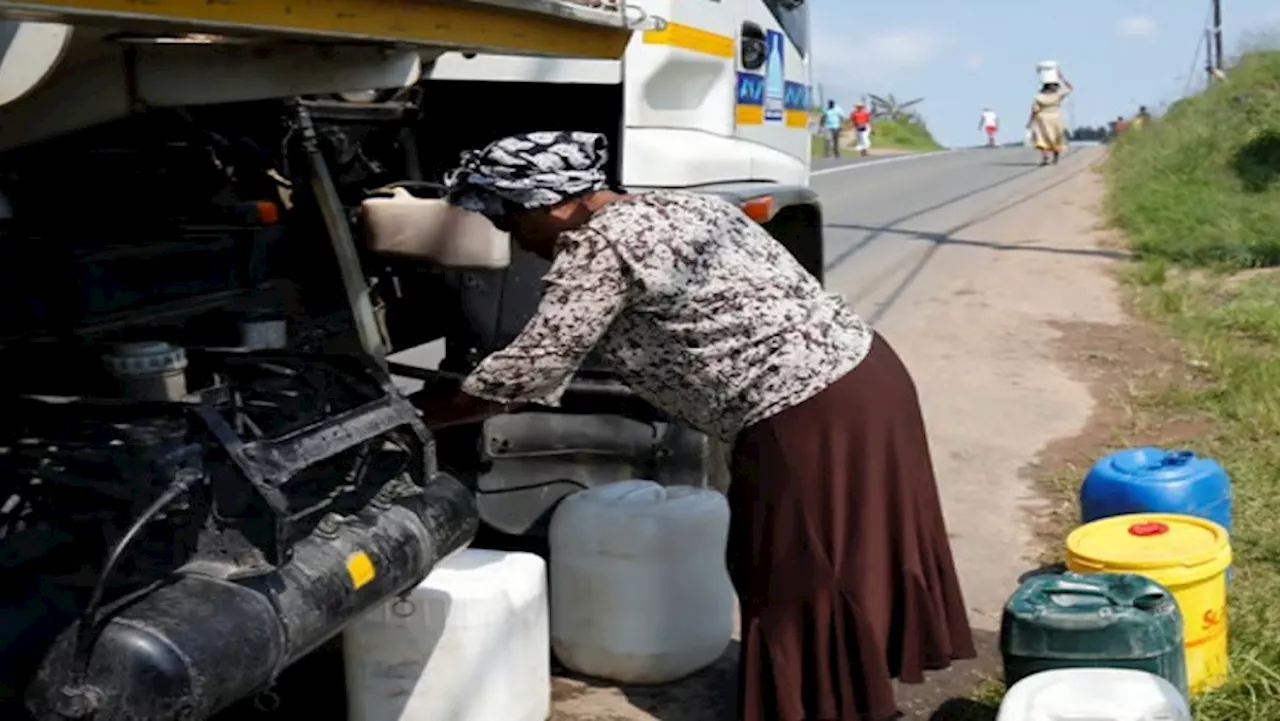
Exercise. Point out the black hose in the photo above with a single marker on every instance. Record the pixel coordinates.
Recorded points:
(534, 486)
(87, 631)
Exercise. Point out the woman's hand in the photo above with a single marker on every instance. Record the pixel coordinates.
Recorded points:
(454, 410)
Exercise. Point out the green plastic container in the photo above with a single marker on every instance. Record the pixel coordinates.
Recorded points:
(1069, 620)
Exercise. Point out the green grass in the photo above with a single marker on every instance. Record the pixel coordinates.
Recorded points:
(1230, 326)
(902, 135)
(1196, 193)
(1200, 186)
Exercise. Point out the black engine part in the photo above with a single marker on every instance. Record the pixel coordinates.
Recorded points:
(200, 643)
(246, 526)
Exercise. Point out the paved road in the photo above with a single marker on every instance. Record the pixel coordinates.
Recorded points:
(885, 216)
(887, 223)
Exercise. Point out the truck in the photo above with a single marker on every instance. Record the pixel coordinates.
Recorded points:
(227, 246)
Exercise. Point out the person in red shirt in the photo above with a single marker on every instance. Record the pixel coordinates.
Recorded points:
(862, 126)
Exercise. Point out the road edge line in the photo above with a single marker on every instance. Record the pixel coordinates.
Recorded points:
(882, 161)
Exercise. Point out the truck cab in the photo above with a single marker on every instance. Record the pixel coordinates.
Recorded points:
(211, 467)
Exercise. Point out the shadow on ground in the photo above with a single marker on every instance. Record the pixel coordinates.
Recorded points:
(710, 694)
(1029, 246)
(945, 695)
(1035, 163)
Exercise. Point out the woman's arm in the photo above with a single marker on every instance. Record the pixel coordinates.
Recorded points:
(587, 288)
(457, 410)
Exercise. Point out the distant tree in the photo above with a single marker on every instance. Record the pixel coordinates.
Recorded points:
(890, 108)
(1088, 133)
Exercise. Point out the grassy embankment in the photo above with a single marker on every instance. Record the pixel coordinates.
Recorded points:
(890, 135)
(1198, 195)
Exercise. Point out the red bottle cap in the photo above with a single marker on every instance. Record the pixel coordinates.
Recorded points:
(1154, 528)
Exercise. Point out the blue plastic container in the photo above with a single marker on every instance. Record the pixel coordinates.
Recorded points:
(1153, 480)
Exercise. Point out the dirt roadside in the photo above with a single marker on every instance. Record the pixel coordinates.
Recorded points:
(1014, 332)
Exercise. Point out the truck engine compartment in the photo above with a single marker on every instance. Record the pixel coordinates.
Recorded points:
(210, 468)
(189, 400)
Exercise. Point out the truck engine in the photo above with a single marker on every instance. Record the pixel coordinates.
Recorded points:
(208, 470)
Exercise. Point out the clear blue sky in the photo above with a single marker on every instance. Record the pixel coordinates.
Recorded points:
(961, 56)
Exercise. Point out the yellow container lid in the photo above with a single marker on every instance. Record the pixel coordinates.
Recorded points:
(1151, 542)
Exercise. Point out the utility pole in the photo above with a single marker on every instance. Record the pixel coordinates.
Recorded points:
(1217, 34)
(1209, 63)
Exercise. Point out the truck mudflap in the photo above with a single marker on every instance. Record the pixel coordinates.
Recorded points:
(561, 28)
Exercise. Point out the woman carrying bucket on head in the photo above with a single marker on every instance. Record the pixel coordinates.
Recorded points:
(1048, 130)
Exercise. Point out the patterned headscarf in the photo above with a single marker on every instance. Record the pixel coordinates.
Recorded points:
(533, 170)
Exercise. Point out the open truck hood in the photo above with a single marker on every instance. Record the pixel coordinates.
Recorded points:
(571, 28)
(77, 63)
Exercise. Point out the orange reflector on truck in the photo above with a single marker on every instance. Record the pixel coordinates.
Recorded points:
(268, 212)
(759, 209)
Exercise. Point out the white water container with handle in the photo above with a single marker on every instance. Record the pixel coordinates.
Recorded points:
(468, 644)
(1049, 72)
(1093, 694)
(639, 590)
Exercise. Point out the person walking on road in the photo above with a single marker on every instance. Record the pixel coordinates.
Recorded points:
(832, 124)
(990, 125)
(837, 545)
(1048, 131)
(862, 126)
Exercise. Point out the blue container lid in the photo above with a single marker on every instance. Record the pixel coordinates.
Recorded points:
(1157, 464)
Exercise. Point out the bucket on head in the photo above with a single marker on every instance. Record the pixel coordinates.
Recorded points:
(1049, 72)
(1187, 555)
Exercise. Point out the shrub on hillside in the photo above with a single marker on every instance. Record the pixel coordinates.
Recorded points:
(1202, 184)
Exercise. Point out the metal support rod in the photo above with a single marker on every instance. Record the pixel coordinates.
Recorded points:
(344, 247)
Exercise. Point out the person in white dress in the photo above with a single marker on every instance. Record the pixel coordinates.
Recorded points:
(989, 124)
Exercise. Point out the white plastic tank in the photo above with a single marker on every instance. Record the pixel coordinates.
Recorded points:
(1094, 694)
(470, 643)
(1049, 71)
(639, 589)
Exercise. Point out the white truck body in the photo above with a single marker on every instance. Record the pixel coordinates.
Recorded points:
(694, 115)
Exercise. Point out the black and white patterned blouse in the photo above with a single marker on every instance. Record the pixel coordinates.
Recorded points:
(696, 308)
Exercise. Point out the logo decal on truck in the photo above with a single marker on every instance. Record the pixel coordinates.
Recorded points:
(775, 77)
(750, 110)
(769, 98)
(797, 104)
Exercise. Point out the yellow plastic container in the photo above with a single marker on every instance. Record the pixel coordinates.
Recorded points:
(1187, 555)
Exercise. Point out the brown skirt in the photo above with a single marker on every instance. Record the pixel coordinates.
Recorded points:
(839, 553)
